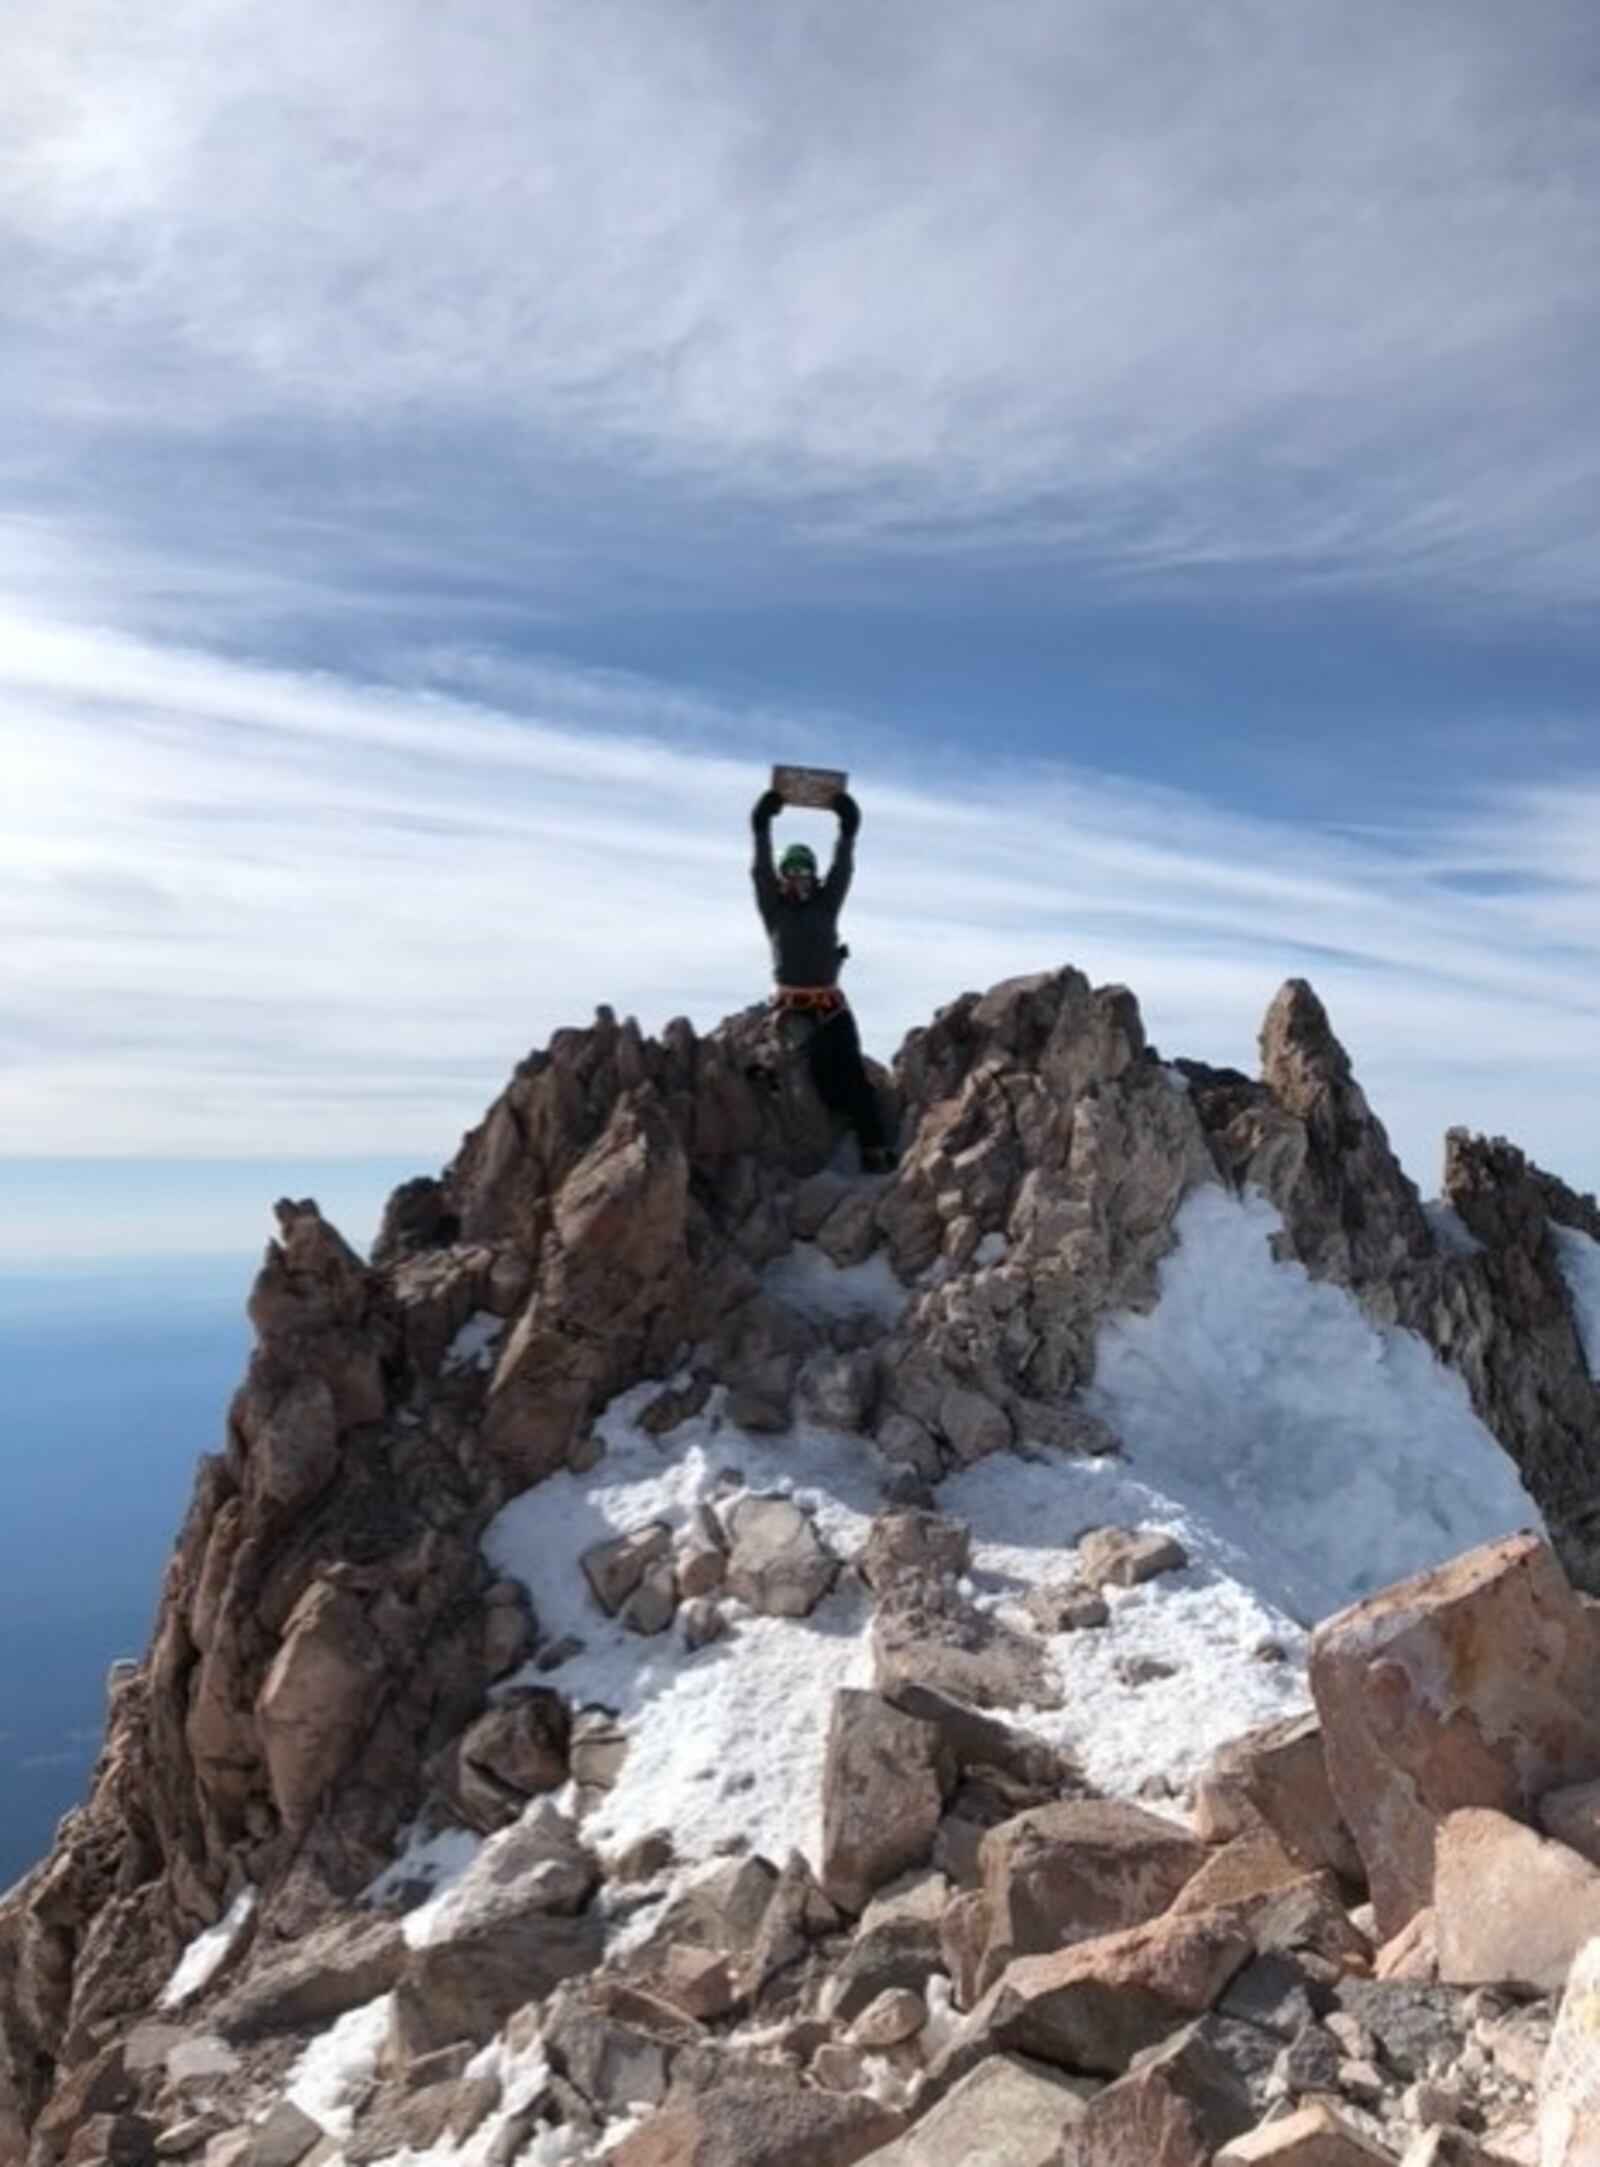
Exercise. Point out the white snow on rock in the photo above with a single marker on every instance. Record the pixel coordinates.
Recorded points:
(473, 1346)
(333, 2075)
(727, 1739)
(1130, 1710)
(206, 1954)
(1579, 1257)
(808, 1280)
(1450, 1230)
(1324, 1456)
(1302, 1455)
(423, 1866)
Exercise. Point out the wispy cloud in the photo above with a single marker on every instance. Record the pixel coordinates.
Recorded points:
(248, 911)
(1143, 287)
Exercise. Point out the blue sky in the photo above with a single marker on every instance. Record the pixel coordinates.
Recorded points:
(447, 453)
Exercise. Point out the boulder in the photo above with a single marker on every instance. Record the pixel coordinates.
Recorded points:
(315, 1979)
(1094, 2006)
(907, 1544)
(1066, 1873)
(466, 1987)
(893, 1955)
(513, 1752)
(506, 1934)
(777, 1562)
(1005, 2113)
(926, 1633)
(318, 1700)
(1067, 1606)
(883, 1792)
(1511, 1908)
(756, 2125)
(894, 2016)
(1316, 2136)
(1278, 1774)
(1178, 2102)
(1125, 1557)
(1475, 1684)
(615, 1567)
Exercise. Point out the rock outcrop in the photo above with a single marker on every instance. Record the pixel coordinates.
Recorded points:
(333, 1656)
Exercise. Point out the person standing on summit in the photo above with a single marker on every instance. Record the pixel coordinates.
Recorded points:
(801, 915)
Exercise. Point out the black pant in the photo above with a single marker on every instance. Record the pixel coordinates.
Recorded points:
(833, 1053)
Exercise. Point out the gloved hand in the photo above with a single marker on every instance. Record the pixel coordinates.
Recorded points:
(767, 807)
(848, 810)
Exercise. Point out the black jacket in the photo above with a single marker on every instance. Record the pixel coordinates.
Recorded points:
(804, 936)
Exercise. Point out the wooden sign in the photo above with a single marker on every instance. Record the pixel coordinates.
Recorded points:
(817, 786)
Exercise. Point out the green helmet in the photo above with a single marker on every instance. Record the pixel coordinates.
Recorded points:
(798, 858)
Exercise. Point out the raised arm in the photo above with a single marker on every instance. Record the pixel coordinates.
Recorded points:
(762, 870)
(837, 885)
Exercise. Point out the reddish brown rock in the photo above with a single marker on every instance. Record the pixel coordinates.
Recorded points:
(1511, 1908)
(1006, 2113)
(760, 2126)
(1317, 2136)
(883, 1791)
(1175, 2106)
(1069, 1872)
(1094, 2006)
(1278, 1774)
(1476, 1684)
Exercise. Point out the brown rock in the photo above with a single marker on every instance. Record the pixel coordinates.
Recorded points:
(1477, 1684)
(1250, 1866)
(466, 1987)
(883, 1792)
(651, 1607)
(1004, 2113)
(514, 1752)
(926, 1633)
(1125, 1557)
(318, 1699)
(283, 2139)
(963, 1938)
(1175, 2106)
(1067, 1607)
(1511, 1908)
(615, 1567)
(1278, 1774)
(777, 1562)
(1413, 1954)
(315, 1979)
(760, 2126)
(1094, 2006)
(906, 1544)
(1317, 2136)
(1067, 1873)
(896, 2015)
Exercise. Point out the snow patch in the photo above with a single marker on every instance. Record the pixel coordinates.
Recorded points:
(423, 1867)
(1578, 1254)
(1323, 1455)
(332, 2076)
(1450, 1230)
(473, 1346)
(810, 1282)
(725, 1741)
(207, 1953)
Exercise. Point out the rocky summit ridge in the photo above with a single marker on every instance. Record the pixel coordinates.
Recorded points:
(337, 1664)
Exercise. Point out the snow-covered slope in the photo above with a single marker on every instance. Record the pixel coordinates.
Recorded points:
(1301, 1455)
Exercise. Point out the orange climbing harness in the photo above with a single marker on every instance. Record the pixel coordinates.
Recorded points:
(823, 1001)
